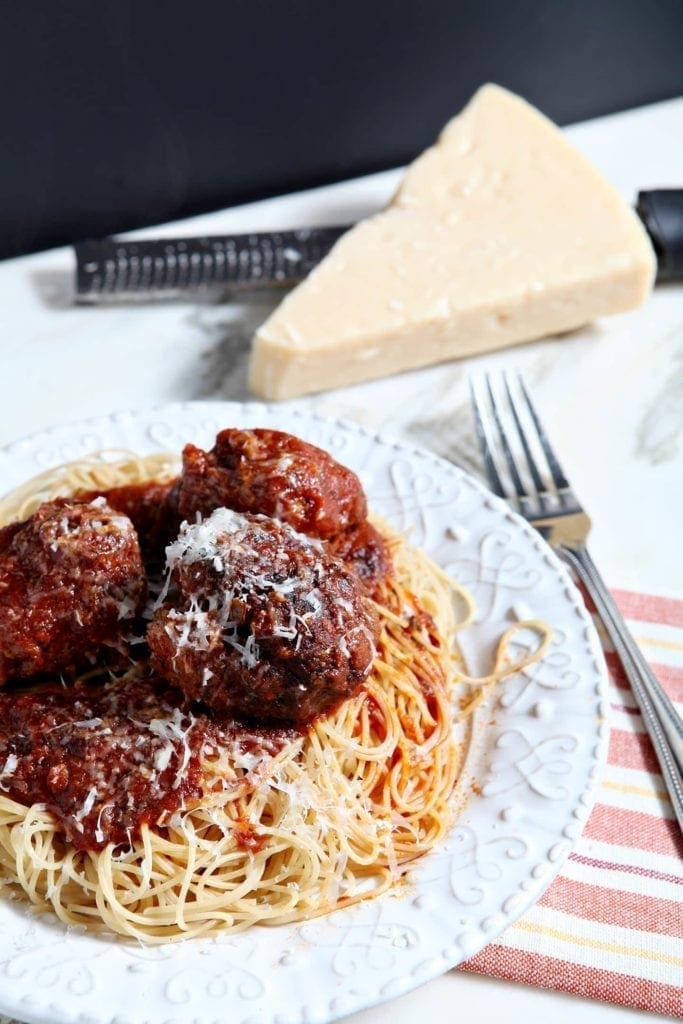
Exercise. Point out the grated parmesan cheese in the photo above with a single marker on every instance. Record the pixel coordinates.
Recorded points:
(8, 771)
(208, 618)
(171, 729)
(87, 806)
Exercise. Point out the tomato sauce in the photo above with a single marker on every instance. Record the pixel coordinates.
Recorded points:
(109, 757)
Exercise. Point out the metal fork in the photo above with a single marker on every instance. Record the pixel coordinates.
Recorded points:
(522, 468)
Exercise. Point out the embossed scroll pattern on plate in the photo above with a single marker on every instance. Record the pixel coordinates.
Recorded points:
(535, 766)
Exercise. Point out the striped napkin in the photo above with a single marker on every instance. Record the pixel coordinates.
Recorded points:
(611, 924)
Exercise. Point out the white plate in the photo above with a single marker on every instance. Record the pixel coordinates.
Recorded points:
(536, 770)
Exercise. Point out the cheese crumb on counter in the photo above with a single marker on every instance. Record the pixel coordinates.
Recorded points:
(500, 233)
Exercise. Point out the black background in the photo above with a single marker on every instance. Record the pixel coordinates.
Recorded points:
(131, 112)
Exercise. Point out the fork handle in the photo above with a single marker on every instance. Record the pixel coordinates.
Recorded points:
(660, 717)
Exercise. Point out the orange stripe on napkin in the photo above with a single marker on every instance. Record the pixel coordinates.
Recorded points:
(635, 829)
(632, 750)
(667, 611)
(671, 678)
(628, 910)
(577, 979)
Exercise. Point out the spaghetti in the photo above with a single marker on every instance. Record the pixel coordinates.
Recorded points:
(279, 831)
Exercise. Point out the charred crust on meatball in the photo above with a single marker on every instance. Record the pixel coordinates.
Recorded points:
(275, 474)
(71, 577)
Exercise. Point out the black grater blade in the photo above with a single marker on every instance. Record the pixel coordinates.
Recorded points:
(109, 269)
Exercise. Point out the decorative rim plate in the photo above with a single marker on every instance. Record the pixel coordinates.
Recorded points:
(536, 769)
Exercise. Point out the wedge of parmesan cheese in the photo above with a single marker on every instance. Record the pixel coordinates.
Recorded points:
(500, 233)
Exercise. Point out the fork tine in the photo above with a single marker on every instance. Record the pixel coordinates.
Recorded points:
(531, 462)
(507, 451)
(492, 474)
(554, 466)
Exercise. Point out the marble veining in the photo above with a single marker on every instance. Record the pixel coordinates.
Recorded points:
(660, 432)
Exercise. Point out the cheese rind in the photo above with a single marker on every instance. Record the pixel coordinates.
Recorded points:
(500, 233)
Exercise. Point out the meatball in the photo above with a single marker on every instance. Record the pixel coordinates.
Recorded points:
(69, 576)
(363, 550)
(275, 474)
(260, 622)
(153, 510)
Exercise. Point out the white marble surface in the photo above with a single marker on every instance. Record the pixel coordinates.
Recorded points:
(611, 396)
